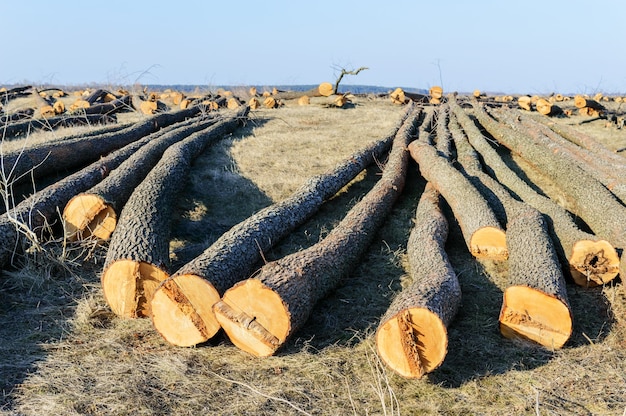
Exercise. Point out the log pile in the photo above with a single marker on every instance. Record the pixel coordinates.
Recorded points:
(133, 174)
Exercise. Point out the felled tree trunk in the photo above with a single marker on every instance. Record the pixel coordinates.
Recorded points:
(412, 337)
(325, 89)
(481, 230)
(259, 314)
(48, 158)
(182, 306)
(591, 260)
(50, 123)
(26, 219)
(121, 104)
(535, 305)
(595, 204)
(139, 249)
(612, 176)
(95, 211)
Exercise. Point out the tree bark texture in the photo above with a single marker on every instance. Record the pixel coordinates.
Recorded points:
(535, 305)
(590, 259)
(412, 335)
(481, 230)
(261, 313)
(595, 204)
(612, 176)
(138, 253)
(85, 213)
(182, 305)
(47, 158)
(29, 216)
(23, 128)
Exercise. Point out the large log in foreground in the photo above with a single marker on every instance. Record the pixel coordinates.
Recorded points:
(261, 313)
(139, 249)
(412, 336)
(481, 230)
(591, 260)
(182, 305)
(595, 204)
(48, 158)
(23, 128)
(95, 212)
(534, 306)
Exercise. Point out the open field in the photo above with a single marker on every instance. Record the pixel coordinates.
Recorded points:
(63, 352)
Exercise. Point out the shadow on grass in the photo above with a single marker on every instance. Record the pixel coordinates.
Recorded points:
(215, 198)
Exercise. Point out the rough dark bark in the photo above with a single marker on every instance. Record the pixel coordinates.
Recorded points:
(481, 230)
(23, 128)
(584, 141)
(260, 313)
(139, 249)
(590, 259)
(13, 117)
(535, 305)
(412, 336)
(535, 277)
(13, 93)
(27, 218)
(182, 305)
(95, 211)
(48, 158)
(612, 176)
(121, 104)
(595, 204)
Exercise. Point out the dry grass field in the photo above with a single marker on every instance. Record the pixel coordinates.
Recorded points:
(63, 352)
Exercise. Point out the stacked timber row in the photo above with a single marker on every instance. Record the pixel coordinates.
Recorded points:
(412, 336)
(590, 259)
(182, 306)
(592, 199)
(261, 313)
(139, 249)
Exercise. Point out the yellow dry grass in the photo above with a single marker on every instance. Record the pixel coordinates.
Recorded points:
(63, 351)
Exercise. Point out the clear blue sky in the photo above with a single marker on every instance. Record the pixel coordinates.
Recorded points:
(531, 46)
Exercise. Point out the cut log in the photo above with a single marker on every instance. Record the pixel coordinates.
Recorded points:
(16, 130)
(591, 260)
(118, 105)
(27, 219)
(397, 96)
(182, 307)
(254, 103)
(585, 141)
(48, 158)
(304, 100)
(547, 108)
(524, 102)
(270, 102)
(139, 249)
(436, 92)
(593, 200)
(261, 313)
(612, 176)
(10, 94)
(582, 102)
(481, 230)
(95, 212)
(535, 305)
(412, 336)
(325, 89)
